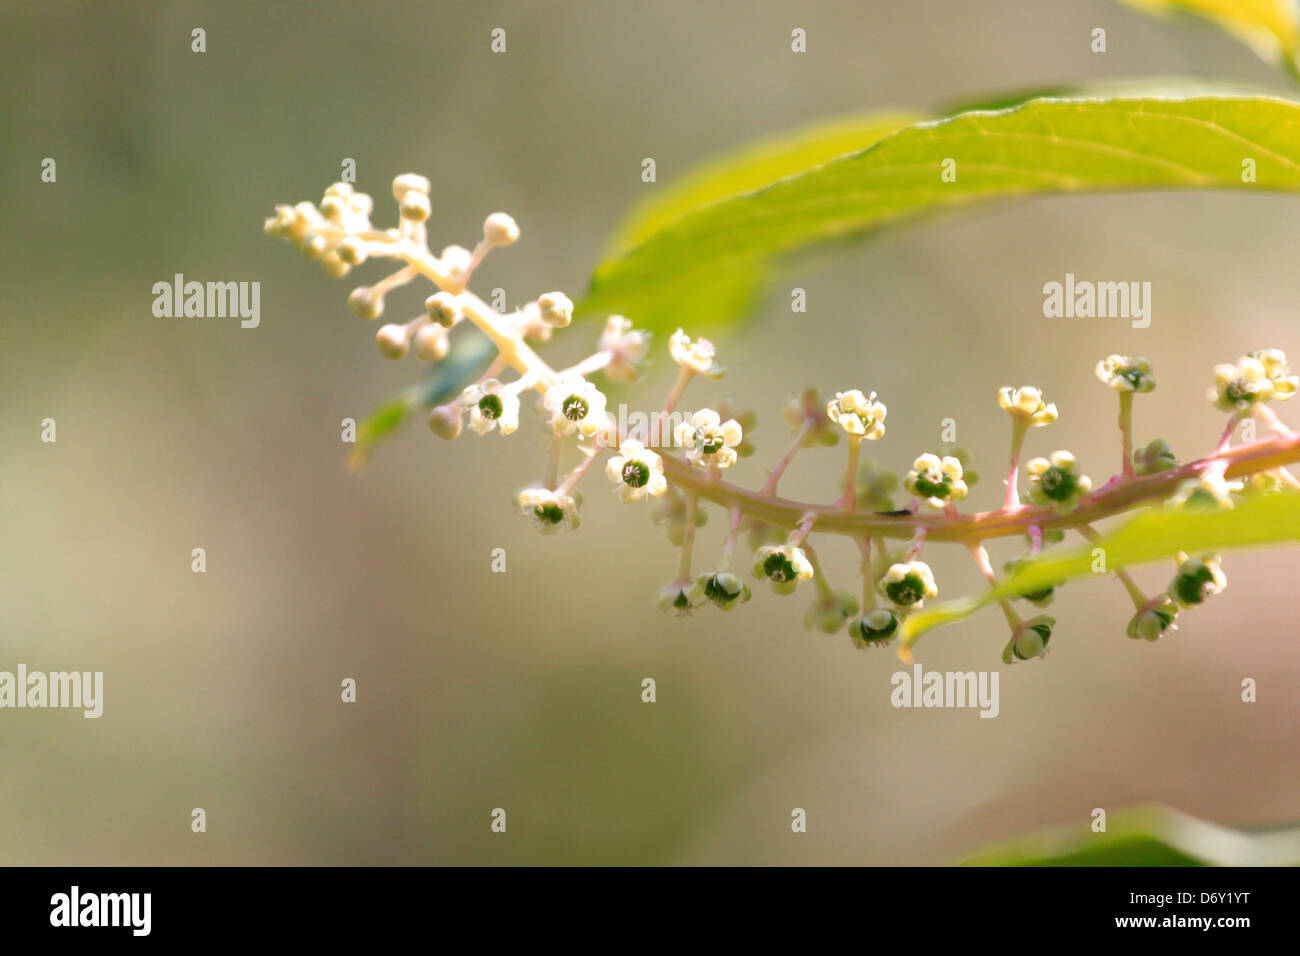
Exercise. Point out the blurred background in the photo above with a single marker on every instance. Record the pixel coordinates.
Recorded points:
(522, 690)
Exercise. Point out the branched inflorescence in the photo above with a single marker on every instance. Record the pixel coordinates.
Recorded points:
(678, 458)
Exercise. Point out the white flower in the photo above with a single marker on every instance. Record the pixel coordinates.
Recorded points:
(909, 584)
(491, 405)
(1198, 580)
(783, 565)
(637, 471)
(858, 414)
(1238, 387)
(697, 356)
(1125, 374)
(550, 510)
(455, 260)
(708, 439)
(1056, 481)
(575, 405)
(1278, 372)
(1026, 404)
(626, 346)
(936, 480)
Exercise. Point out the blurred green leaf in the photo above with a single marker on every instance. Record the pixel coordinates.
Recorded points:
(1149, 836)
(1269, 27)
(757, 165)
(1151, 536)
(469, 355)
(698, 269)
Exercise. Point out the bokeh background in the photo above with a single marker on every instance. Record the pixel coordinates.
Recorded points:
(522, 690)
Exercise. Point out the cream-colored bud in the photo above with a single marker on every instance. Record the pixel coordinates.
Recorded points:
(445, 422)
(432, 343)
(409, 182)
(351, 250)
(341, 190)
(312, 246)
(414, 207)
(334, 265)
(442, 308)
(333, 208)
(362, 204)
(556, 309)
(500, 230)
(392, 341)
(365, 303)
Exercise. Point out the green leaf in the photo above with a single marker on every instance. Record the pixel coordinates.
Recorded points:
(1149, 836)
(758, 165)
(1044, 146)
(1269, 27)
(469, 354)
(1152, 535)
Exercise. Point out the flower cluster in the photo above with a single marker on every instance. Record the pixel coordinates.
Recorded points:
(682, 466)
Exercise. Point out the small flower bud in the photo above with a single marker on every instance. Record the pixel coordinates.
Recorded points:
(455, 260)
(1157, 456)
(351, 250)
(1153, 620)
(393, 341)
(333, 208)
(500, 230)
(675, 597)
(445, 421)
(874, 629)
(313, 246)
(414, 207)
(1029, 640)
(556, 309)
(432, 343)
(725, 589)
(409, 182)
(365, 303)
(341, 190)
(334, 265)
(443, 308)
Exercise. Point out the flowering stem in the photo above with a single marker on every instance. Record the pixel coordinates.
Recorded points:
(1269, 417)
(1135, 593)
(684, 377)
(688, 540)
(573, 477)
(981, 557)
(868, 576)
(553, 461)
(1126, 432)
(1018, 429)
(1264, 455)
(850, 498)
(819, 579)
(1226, 441)
(729, 545)
(769, 487)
